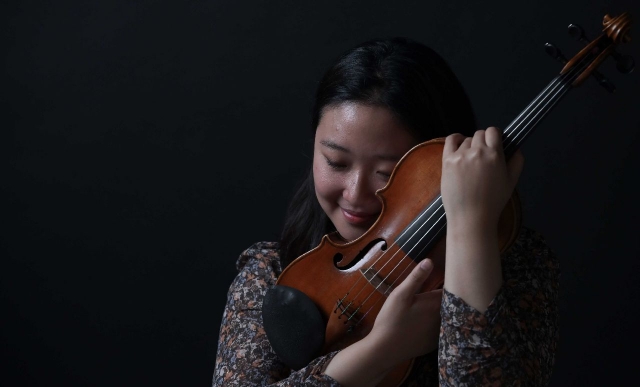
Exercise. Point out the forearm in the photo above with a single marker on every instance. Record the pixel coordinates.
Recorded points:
(498, 345)
(473, 269)
(360, 364)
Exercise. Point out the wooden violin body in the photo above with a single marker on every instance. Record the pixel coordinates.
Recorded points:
(349, 282)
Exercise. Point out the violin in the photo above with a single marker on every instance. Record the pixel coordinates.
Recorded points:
(342, 286)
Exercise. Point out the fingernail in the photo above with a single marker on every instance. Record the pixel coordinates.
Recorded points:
(425, 264)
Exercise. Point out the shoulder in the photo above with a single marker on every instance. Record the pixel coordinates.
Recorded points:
(532, 240)
(531, 265)
(531, 248)
(258, 269)
(259, 255)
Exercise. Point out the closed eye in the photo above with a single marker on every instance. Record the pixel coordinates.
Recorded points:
(334, 165)
(384, 176)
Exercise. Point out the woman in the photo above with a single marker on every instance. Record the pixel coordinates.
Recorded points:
(496, 319)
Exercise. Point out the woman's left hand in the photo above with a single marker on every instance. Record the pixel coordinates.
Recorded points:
(476, 181)
(476, 185)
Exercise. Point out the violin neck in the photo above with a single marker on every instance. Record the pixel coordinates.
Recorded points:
(522, 126)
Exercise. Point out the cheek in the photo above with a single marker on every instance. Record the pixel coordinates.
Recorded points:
(327, 184)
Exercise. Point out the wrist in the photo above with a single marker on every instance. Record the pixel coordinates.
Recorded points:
(363, 363)
(473, 270)
(472, 228)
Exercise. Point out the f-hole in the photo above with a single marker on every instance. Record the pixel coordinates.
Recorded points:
(338, 257)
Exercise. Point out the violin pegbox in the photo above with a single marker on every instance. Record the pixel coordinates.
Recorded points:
(616, 30)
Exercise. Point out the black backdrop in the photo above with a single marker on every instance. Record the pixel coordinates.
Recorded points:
(150, 142)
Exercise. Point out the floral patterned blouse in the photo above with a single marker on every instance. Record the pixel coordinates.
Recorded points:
(513, 343)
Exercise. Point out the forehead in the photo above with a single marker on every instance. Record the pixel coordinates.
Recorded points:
(355, 125)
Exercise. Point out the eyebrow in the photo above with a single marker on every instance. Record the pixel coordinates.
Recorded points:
(333, 145)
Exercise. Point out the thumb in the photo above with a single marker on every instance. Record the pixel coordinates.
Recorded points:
(411, 285)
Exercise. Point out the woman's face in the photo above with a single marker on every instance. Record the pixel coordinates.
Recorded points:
(356, 148)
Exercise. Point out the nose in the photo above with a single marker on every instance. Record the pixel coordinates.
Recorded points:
(357, 191)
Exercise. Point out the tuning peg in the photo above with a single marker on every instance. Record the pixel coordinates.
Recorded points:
(624, 63)
(603, 81)
(555, 53)
(577, 33)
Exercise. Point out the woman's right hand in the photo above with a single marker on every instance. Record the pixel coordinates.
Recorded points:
(407, 326)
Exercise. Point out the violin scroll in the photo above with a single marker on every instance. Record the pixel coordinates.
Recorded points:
(585, 63)
(617, 28)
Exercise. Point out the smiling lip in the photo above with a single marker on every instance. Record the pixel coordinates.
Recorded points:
(357, 218)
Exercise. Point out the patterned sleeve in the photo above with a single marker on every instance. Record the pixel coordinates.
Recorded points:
(245, 356)
(513, 342)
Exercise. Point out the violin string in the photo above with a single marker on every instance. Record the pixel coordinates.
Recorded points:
(558, 81)
(389, 248)
(389, 260)
(510, 130)
(517, 137)
(402, 260)
(569, 77)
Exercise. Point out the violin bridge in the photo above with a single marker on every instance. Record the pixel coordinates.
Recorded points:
(350, 314)
(376, 281)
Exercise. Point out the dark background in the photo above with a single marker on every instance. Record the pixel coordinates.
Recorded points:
(148, 143)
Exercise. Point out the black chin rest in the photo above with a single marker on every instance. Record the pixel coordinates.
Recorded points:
(294, 326)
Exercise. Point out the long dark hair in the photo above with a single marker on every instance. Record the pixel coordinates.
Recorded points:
(402, 75)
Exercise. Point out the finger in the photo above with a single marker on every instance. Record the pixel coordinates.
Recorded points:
(493, 137)
(478, 139)
(412, 284)
(466, 144)
(452, 142)
(514, 167)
